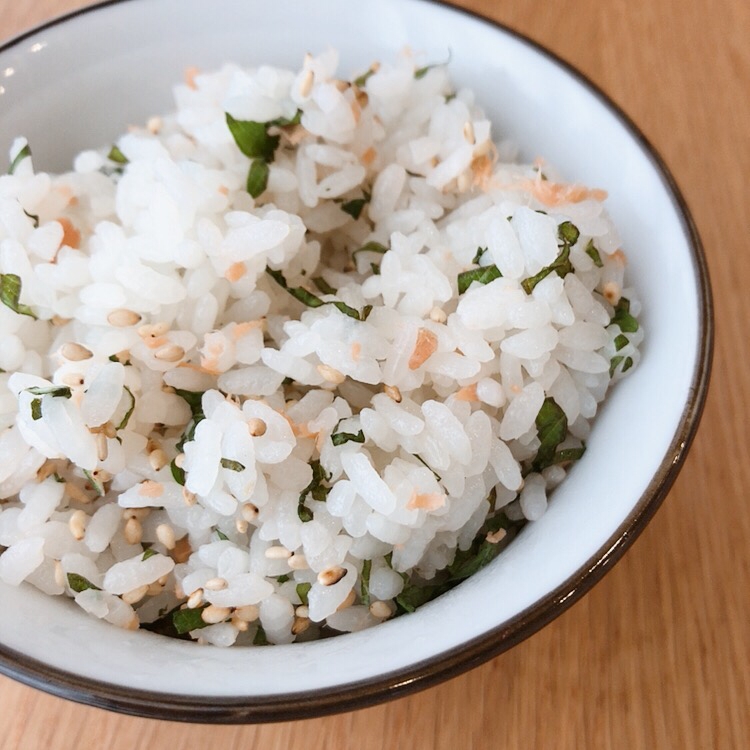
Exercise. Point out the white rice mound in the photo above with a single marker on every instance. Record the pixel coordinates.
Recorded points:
(152, 344)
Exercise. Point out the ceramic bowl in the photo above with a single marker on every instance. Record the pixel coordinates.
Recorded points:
(77, 81)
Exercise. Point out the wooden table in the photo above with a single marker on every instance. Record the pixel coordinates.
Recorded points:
(657, 656)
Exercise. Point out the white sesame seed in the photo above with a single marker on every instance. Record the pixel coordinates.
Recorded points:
(381, 610)
(131, 597)
(329, 576)
(393, 392)
(195, 599)
(248, 613)
(169, 353)
(165, 534)
(278, 553)
(102, 451)
(179, 460)
(249, 512)
(438, 315)
(240, 625)
(469, 132)
(213, 614)
(331, 375)
(77, 524)
(306, 84)
(133, 531)
(241, 525)
(257, 427)
(75, 352)
(59, 574)
(215, 584)
(153, 330)
(122, 318)
(298, 562)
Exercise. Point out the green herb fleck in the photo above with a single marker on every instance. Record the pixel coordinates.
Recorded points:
(129, 413)
(252, 138)
(193, 398)
(257, 177)
(354, 207)
(260, 637)
(569, 454)
(303, 589)
(568, 233)
(482, 275)
(36, 409)
(311, 300)
(178, 474)
(468, 563)
(228, 463)
(371, 247)
(361, 81)
(148, 553)
(478, 256)
(283, 578)
(339, 438)
(323, 286)
(117, 156)
(552, 427)
(316, 489)
(24, 153)
(78, 583)
(426, 465)
(627, 364)
(53, 390)
(621, 341)
(623, 318)
(420, 73)
(593, 253)
(185, 620)
(413, 596)
(613, 364)
(364, 582)
(222, 536)
(10, 293)
(34, 218)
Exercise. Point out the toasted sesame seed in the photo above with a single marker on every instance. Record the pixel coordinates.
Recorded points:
(215, 584)
(302, 611)
(103, 476)
(169, 353)
(77, 524)
(381, 610)
(131, 597)
(278, 553)
(158, 459)
(612, 292)
(241, 525)
(122, 318)
(248, 613)
(392, 392)
(75, 352)
(330, 374)
(74, 492)
(155, 588)
(249, 512)
(154, 124)
(213, 614)
(257, 427)
(165, 534)
(438, 315)
(162, 581)
(329, 576)
(102, 451)
(298, 562)
(350, 597)
(139, 513)
(133, 531)
(58, 321)
(195, 599)
(188, 496)
(109, 430)
(306, 84)
(300, 625)
(179, 460)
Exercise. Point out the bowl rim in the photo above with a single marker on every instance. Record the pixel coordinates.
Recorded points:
(442, 666)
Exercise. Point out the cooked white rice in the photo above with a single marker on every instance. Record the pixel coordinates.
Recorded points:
(177, 429)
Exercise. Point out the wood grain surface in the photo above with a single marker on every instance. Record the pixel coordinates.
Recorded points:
(658, 654)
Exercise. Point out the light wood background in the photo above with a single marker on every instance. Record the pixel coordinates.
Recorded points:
(657, 656)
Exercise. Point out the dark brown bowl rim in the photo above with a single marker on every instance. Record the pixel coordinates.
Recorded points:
(443, 666)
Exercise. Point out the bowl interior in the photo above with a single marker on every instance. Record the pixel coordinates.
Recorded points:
(77, 84)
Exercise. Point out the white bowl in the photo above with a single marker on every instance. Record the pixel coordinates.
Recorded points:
(76, 82)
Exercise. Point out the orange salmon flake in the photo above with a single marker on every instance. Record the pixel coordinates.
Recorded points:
(426, 345)
(426, 501)
(467, 393)
(71, 236)
(235, 272)
(149, 488)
